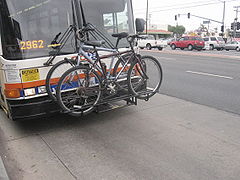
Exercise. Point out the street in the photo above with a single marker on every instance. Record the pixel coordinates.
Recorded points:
(77, 101)
(164, 138)
(209, 78)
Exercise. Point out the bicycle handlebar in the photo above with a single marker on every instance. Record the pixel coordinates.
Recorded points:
(80, 33)
(132, 37)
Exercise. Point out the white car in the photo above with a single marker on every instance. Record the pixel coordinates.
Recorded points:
(152, 42)
(212, 43)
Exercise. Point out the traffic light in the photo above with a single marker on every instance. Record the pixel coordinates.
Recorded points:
(221, 34)
(188, 15)
(232, 26)
(222, 28)
(238, 25)
(175, 17)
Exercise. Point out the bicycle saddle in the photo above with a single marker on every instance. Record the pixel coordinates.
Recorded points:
(95, 43)
(120, 35)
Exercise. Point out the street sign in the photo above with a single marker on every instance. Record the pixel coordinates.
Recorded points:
(206, 22)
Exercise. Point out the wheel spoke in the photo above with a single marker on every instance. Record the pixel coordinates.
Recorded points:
(83, 94)
(147, 77)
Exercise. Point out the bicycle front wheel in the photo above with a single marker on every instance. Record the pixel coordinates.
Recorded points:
(79, 90)
(54, 75)
(145, 77)
(121, 72)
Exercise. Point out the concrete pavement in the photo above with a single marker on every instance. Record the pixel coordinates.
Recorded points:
(165, 138)
(3, 173)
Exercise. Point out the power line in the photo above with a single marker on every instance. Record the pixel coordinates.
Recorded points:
(182, 4)
(185, 7)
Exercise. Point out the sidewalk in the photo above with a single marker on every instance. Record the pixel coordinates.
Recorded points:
(3, 173)
(164, 138)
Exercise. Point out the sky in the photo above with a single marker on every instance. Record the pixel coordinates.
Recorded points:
(164, 11)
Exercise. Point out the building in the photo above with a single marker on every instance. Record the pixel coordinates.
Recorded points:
(161, 31)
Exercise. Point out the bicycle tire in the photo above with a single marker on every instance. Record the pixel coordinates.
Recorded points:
(57, 70)
(138, 85)
(122, 84)
(74, 90)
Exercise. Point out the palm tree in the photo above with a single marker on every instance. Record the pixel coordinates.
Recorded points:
(202, 29)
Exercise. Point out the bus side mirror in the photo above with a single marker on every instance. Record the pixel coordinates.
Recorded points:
(140, 24)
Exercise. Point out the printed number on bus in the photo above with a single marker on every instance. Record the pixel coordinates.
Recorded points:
(35, 44)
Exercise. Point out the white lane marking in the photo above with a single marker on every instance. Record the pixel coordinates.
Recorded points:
(208, 74)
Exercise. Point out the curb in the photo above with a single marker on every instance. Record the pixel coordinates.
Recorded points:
(3, 172)
(199, 54)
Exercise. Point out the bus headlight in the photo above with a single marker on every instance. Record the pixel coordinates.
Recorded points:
(42, 89)
(29, 92)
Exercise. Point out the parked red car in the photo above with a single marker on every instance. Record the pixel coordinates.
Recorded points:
(190, 42)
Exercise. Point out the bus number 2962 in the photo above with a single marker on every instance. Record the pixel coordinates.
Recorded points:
(35, 44)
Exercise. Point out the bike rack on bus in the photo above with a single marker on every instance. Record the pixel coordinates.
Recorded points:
(111, 104)
(130, 99)
(107, 104)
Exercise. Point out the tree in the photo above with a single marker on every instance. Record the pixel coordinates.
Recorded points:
(202, 30)
(178, 30)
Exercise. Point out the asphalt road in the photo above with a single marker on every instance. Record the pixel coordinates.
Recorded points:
(210, 78)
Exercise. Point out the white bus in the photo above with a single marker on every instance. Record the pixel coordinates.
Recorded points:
(27, 29)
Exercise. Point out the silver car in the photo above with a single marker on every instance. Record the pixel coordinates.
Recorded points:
(233, 45)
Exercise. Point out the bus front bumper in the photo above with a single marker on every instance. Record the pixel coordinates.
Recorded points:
(32, 108)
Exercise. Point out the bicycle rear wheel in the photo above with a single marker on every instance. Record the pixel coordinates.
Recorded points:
(144, 80)
(54, 75)
(79, 90)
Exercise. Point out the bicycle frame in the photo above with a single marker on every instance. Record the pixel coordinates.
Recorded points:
(95, 66)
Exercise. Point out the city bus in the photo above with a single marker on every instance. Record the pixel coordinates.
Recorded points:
(27, 30)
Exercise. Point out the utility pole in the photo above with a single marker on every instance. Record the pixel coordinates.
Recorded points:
(147, 18)
(235, 21)
(223, 19)
(224, 7)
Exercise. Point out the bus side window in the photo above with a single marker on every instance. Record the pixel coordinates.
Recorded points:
(110, 23)
(116, 22)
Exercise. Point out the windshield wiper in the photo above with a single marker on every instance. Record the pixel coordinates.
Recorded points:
(60, 44)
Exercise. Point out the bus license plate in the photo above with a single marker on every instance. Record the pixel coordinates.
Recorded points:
(30, 75)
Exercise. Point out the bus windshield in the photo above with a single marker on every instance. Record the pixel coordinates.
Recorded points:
(110, 16)
(28, 27)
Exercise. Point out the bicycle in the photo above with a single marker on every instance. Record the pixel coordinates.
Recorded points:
(80, 88)
(57, 69)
